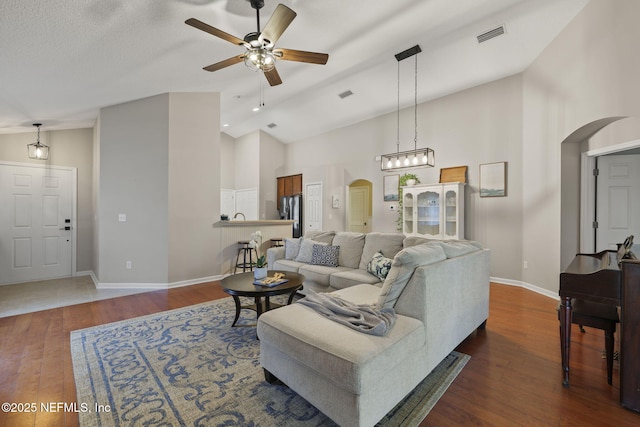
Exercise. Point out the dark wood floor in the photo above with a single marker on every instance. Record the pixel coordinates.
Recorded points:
(513, 377)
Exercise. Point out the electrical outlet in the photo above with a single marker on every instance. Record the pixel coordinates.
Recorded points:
(128, 265)
(525, 264)
(122, 217)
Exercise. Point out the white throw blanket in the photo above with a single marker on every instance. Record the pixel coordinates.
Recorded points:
(363, 318)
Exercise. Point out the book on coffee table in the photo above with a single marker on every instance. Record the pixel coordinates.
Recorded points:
(263, 282)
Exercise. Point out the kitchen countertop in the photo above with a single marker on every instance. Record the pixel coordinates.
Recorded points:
(241, 223)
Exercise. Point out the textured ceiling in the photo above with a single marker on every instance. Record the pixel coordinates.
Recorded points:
(61, 61)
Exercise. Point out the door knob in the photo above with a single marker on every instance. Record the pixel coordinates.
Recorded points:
(65, 228)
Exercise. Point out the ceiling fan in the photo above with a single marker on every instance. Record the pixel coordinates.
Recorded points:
(260, 52)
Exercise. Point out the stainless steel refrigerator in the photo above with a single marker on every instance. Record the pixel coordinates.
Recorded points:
(291, 208)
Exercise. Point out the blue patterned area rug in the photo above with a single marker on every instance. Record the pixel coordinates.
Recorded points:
(189, 367)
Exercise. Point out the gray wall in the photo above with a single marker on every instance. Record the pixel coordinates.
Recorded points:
(158, 162)
(589, 72)
(194, 184)
(71, 148)
(479, 125)
(133, 180)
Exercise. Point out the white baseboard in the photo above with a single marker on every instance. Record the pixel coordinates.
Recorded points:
(152, 286)
(521, 284)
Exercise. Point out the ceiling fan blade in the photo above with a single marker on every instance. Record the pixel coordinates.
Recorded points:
(301, 56)
(214, 31)
(278, 22)
(273, 77)
(222, 64)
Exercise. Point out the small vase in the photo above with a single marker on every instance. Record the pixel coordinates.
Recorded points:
(260, 273)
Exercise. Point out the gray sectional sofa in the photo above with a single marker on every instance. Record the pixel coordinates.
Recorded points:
(438, 289)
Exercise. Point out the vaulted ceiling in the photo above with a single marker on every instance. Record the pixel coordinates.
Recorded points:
(61, 61)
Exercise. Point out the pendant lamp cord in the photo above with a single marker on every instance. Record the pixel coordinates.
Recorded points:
(398, 115)
(415, 107)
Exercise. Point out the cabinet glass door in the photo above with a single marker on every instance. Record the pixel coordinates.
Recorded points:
(451, 219)
(428, 213)
(407, 213)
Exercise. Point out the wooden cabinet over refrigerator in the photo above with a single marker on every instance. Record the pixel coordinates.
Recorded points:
(434, 211)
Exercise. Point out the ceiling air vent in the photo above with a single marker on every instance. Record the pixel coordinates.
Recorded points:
(488, 35)
(271, 125)
(344, 94)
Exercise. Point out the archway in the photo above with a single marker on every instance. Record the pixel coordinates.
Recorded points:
(577, 191)
(359, 208)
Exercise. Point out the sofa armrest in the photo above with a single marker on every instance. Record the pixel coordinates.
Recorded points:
(274, 254)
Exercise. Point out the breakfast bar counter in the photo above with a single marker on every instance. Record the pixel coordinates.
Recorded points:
(233, 231)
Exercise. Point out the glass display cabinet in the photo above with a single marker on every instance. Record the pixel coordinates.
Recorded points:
(434, 211)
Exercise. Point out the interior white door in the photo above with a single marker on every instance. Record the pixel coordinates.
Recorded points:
(313, 207)
(358, 201)
(618, 200)
(35, 223)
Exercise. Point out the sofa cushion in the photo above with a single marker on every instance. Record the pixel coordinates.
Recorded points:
(387, 243)
(325, 255)
(402, 268)
(291, 247)
(456, 248)
(352, 276)
(379, 265)
(321, 236)
(347, 358)
(415, 240)
(351, 245)
(360, 294)
(286, 265)
(319, 274)
(306, 250)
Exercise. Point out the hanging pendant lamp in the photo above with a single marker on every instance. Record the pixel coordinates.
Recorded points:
(418, 157)
(37, 150)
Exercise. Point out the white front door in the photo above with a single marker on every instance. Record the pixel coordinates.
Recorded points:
(313, 207)
(36, 221)
(618, 200)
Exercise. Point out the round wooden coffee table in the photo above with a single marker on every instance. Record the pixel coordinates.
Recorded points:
(241, 285)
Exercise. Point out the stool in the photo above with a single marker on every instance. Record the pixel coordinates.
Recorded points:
(599, 316)
(276, 242)
(245, 250)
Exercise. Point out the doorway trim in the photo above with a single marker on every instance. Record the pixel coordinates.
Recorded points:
(588, 190)
(74, 202)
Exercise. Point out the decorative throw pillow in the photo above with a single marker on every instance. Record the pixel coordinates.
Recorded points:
(379, 265)
(291, 247)
(306, 250)
(325, 255)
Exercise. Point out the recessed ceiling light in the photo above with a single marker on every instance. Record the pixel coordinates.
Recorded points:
(256, 109)
(226, 125)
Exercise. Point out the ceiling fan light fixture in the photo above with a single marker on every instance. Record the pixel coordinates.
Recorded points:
(260, 59)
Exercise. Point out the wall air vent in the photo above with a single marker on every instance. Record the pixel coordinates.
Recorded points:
(344, 94)
(271, 125)
(493, 33)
